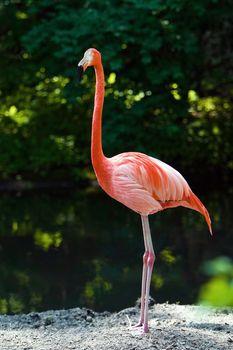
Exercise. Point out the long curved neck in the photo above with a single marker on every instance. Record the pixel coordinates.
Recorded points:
(97, 155)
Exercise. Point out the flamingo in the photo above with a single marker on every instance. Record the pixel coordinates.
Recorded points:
(140, 182)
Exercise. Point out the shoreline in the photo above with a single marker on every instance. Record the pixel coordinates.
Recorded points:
(172, 326)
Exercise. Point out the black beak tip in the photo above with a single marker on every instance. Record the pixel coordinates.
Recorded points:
(80, 73)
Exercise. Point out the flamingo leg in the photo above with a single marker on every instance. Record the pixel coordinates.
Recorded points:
(144, 276)
(148, 263)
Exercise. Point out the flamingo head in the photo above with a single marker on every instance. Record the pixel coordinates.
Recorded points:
(91, 57)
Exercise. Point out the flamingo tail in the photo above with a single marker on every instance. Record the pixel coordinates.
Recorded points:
(197, 205)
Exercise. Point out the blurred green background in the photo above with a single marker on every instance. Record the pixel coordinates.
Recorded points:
(169, 93)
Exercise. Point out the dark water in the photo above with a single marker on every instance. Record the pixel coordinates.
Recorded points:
(62, 250)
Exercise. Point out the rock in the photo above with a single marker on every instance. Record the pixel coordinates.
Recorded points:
(48, 321)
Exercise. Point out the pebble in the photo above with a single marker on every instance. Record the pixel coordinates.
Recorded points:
(48, 321)
(89, 319)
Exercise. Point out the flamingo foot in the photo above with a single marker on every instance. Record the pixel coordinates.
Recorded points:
(143, 328)
(137, 325)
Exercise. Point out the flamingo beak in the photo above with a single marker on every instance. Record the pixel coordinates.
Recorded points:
(85, 62)
(80, 72)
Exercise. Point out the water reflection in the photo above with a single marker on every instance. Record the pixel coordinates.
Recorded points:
(63, 250)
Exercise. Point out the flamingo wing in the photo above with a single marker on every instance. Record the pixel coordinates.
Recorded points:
(139, 180)
(148, 185)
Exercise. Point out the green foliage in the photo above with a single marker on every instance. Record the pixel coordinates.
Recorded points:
(218, 291)
(168, 68)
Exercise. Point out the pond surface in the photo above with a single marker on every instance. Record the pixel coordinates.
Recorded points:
(81, 248)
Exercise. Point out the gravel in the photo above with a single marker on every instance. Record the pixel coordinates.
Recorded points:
(172, 327)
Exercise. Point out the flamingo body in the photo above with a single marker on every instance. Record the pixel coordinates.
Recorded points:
(147, 185)
(140, 182)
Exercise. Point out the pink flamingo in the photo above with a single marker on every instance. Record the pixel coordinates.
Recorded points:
(142, 183)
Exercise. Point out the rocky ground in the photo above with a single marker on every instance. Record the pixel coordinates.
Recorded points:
(171, 327)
